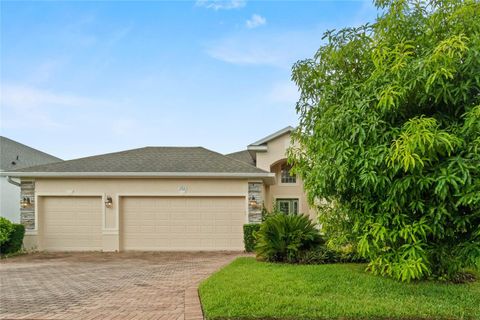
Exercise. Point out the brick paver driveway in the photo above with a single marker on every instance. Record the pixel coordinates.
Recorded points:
(105, 285)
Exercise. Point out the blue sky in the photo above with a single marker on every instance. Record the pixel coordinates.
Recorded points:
(83, 78)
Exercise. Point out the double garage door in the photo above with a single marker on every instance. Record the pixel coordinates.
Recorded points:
(145, 223)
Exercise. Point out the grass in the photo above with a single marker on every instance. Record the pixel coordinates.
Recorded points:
(248, 289)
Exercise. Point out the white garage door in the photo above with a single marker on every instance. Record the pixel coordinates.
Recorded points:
(71, 223)
(182, 223)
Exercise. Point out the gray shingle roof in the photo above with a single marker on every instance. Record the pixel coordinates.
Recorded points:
(15, 155)
(153, 159)
(243, 156)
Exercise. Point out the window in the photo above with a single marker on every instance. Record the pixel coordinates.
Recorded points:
(287, 206)
(286, 175)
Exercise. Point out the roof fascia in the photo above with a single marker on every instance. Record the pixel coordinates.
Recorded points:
(138, 174)
(272, 136)
(267, 177)
(257, 148)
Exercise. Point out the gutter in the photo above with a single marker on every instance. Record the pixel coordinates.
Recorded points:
(267, 176)
(15, 183)
(257, 148)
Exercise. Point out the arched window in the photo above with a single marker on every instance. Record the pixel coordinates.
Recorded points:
(286, 174)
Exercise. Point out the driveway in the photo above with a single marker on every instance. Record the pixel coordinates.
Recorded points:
(91, 286)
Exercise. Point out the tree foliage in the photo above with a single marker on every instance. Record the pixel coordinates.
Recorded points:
(389, 133)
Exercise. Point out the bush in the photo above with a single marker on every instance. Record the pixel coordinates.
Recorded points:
(322, 254)
(389, 122)
(319, 255)
(248, 236)
(15, 242)
(266, 213)
(282, 237)
(6, 228)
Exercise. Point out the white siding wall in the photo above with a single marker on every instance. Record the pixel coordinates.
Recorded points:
(9, 200)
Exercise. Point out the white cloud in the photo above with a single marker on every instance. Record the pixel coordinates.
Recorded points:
(26, 97)
(221, 4)
(283, 93)
(47, 69)
(279, 49)
(236, 51)
(30, 107)
(255, 21)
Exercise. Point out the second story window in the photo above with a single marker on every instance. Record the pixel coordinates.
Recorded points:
(286, 174)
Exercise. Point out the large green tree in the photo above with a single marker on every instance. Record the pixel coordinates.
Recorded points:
(389, 133)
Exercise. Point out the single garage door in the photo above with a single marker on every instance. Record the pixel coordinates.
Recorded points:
(182, 223)
(71, 223)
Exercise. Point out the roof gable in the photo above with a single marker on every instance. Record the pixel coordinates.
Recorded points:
(271, 137)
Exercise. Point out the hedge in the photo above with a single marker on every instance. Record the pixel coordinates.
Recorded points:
(248, 237)
(15, 241)
(6, 228)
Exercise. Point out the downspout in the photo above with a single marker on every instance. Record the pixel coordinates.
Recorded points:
(9, 179)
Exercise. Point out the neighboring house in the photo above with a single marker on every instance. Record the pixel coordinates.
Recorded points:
(157, 198)
(13, 156)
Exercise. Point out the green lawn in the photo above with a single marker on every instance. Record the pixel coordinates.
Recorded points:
(248, 289)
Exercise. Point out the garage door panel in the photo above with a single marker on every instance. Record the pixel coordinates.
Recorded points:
(71, 223)
(223, 229)
(182, 223)
(162, 229)
(178, 216)
(193, 229)
(178, 231)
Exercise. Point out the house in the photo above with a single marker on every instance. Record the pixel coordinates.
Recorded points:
(157, 198)
(14, 156)
(269, 154)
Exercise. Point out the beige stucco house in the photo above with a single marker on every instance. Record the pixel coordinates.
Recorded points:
(157, 198)
(269, 154)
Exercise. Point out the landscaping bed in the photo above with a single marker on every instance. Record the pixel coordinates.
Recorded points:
(248, 289)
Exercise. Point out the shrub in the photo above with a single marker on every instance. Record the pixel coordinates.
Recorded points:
(6, 228)
(282, 237)
(319, 255)
(323, 254)
(14, 244)
(389, 133)
(266, 213)
(248, 236)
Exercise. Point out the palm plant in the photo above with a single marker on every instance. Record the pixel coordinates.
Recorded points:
(282, 237)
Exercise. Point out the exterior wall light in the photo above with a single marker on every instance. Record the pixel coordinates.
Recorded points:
(109, 202)
(253, 202)
(25, 203)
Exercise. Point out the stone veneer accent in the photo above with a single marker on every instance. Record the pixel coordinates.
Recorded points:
(27, 215)
(255, 213)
